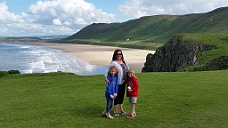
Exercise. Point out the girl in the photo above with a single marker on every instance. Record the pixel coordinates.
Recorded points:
(111, 90)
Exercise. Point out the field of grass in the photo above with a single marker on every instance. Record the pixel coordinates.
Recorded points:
(166, 100)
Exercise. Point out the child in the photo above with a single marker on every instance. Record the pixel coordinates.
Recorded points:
(132, 91)
(111, 90)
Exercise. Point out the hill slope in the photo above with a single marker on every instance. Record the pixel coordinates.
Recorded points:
(158, 28)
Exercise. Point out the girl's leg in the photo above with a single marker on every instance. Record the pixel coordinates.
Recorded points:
(108, 105)
(108, 108)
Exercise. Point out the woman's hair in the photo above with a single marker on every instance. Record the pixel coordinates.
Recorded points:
(113, 68)
(115, 54)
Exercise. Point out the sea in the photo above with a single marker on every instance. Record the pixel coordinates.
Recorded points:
(38, 59)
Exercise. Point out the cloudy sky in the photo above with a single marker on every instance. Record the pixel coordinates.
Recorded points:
(66, 17)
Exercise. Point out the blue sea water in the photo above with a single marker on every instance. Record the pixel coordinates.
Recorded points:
(38, 59)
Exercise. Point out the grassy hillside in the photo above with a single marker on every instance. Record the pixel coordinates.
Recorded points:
(166, 100)
(156, 29)
(218, 42)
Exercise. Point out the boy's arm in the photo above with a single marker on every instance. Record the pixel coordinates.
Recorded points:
(136, 84)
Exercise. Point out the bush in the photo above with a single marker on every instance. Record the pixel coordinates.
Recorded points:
(14, 72)
(2, 73)
(220, 63)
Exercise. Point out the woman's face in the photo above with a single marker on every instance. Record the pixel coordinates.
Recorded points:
(119, 55)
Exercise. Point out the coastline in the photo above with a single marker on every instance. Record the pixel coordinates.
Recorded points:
(96, 54)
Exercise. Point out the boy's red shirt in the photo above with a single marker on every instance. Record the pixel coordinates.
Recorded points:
(133, 83)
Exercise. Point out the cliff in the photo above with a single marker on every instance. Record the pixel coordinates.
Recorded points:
(179, 54)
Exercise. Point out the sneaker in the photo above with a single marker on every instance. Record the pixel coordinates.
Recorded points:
(123, 113)
(103, 113)
(131, 116)
(109, 116)
(116, 114)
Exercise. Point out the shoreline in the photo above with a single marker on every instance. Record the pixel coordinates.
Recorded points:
(96, 54)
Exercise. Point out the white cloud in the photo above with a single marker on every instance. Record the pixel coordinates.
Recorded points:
(69, 11)
(139, 8)
(57, 22)
(51, 17)
(6, 17)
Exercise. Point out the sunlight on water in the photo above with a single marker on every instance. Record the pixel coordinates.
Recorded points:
(38, 59)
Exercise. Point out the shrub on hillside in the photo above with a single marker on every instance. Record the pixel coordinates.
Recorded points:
(14, 72)
(2, 73)
(220, 63)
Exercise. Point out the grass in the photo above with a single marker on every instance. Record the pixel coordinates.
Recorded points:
(156, 29)
(173, 100)
(219, 41)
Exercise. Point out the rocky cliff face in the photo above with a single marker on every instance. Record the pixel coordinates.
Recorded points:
(173, 56)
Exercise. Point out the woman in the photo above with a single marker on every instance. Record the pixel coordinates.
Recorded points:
(122, 67)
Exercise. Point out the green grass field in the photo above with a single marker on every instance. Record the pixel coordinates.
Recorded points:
(166, 100)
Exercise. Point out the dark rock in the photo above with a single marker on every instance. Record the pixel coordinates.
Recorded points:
(174, 55)
(220, 63)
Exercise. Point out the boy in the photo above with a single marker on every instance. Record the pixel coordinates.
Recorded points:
(132, 91)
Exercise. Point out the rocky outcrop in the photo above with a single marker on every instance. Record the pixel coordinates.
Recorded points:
(174, 56)
(220, 63)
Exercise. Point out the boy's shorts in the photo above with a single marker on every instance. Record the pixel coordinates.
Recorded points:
(132, 100)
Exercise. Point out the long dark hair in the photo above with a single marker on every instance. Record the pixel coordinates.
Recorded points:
(115, 54)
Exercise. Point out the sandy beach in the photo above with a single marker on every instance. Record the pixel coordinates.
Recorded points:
(100, 55)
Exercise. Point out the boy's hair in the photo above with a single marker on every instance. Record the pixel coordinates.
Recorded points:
(131, 71)
(113, 68)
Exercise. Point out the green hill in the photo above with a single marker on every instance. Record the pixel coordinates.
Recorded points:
(156, 29)
(166, 100)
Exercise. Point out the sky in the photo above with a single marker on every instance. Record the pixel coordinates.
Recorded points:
(66, 17)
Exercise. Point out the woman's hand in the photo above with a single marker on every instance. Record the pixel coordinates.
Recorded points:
(106, 80)
(112, 97)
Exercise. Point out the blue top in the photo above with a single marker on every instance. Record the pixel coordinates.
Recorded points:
(112, 86)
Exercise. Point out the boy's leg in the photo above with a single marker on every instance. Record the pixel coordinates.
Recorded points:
(133, 109)
(134, 101)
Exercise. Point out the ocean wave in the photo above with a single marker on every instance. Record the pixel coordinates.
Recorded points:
(39, 59)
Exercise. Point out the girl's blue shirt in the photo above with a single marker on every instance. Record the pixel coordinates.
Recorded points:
(112, 86)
